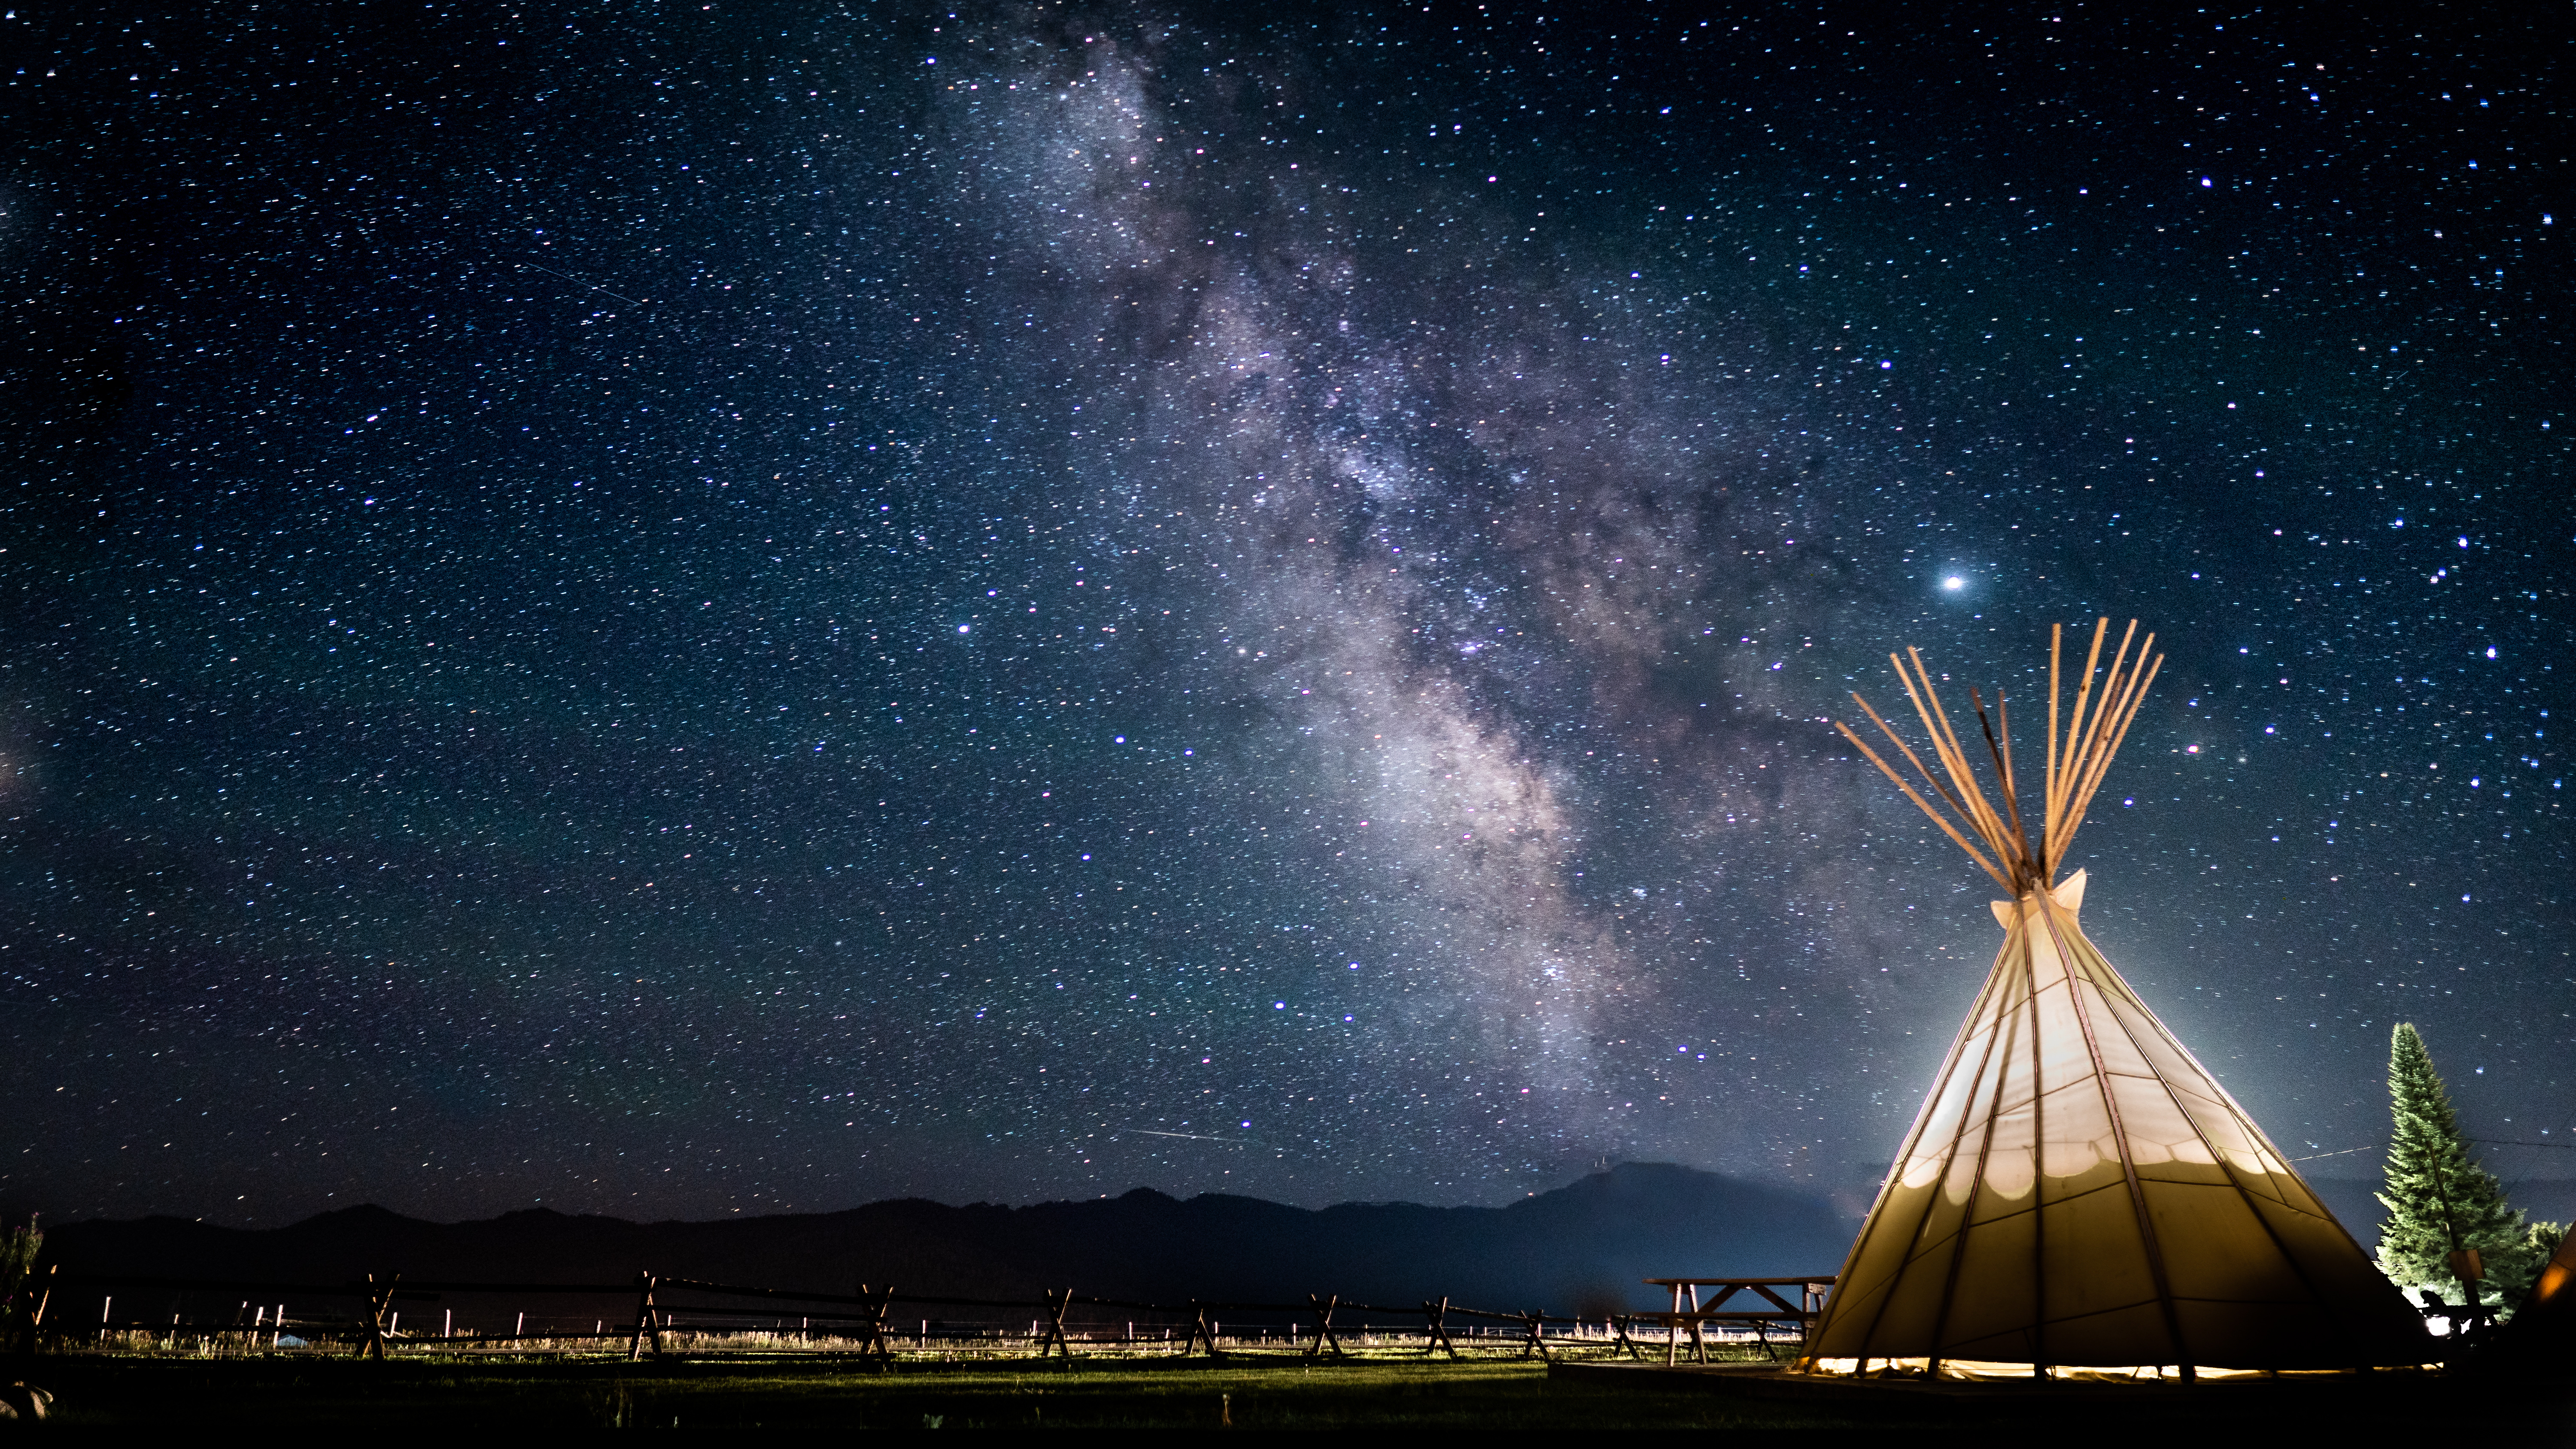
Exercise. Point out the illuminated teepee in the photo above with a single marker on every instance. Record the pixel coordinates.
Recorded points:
(2077, 1193)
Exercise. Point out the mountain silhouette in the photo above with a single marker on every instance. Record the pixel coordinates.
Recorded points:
(1580, 1248)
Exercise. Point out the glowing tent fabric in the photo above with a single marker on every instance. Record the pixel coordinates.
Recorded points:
(2077, 1192)
(2540, 1341)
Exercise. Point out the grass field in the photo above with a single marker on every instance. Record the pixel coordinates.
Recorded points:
(412, 1396)
(416, 1395)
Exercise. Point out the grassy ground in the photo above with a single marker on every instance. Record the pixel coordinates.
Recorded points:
(413, 1395)
(424, 1394)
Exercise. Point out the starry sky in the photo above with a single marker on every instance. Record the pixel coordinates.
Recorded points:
(686, 609)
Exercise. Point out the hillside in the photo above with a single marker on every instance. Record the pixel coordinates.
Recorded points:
(1583, 1246)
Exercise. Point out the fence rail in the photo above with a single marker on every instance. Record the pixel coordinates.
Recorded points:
(662, 1302)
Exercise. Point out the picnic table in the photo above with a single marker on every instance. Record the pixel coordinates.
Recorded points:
(1772, 1308)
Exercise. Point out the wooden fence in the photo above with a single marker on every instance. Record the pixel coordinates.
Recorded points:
(666, 1307)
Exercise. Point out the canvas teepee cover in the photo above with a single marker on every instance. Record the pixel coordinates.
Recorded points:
(2077, 1191)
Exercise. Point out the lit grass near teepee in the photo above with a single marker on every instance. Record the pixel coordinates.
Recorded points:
(2078, 1196)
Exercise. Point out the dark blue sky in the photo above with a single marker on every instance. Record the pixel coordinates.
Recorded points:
(678, 610)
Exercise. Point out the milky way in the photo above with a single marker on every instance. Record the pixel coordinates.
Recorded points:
(769, 606)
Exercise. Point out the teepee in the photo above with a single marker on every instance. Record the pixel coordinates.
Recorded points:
(2077, 1194)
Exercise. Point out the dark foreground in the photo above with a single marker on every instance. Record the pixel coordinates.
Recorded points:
(412, 1396)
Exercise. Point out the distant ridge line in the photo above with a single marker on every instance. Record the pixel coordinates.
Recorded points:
(1586, 1246)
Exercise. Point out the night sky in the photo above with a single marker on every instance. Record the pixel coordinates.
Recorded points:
(690, 609)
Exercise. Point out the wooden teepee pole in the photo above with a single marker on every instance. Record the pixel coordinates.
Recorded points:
(2079, 749)
(1953, 801)
(2085, 751)
(2138, 696)
(1999, 748)
(1924, 805)
(1954, 759)
(2066, 768)
(2119, 693)
(2048, 781)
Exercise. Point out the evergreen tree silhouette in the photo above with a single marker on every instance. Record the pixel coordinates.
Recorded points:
(2439, 1200)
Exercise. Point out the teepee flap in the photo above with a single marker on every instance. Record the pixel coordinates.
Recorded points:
(2069, 895)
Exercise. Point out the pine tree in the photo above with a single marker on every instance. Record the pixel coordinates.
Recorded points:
(2438, 1199)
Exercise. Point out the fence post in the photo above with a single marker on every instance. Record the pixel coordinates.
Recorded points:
(380, 1296)
(1536, 1322)
(39, 1292)
(1619, 1324)
(647, 1318)
(1324, 1334)
(873, 1344)
(1200, 1332)
(1056, 1305)
(1438, 1336)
